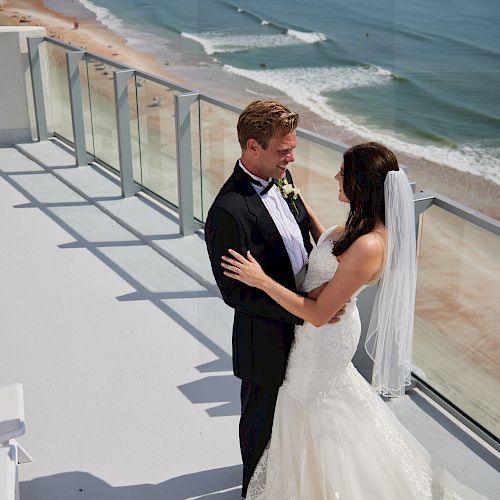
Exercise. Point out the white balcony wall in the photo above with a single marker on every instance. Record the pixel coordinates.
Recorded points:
(16, 97)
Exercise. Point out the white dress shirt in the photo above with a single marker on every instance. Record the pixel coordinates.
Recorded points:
(286, 224)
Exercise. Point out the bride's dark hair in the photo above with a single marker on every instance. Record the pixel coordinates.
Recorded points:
(365, 169)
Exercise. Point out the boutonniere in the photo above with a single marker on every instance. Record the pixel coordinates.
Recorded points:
(289, 192)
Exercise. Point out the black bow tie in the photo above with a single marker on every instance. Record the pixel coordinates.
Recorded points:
(267, 187)
(270, 184)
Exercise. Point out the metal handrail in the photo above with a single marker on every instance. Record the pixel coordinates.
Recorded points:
(425, 199)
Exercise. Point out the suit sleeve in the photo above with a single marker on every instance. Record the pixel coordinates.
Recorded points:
(222, 232)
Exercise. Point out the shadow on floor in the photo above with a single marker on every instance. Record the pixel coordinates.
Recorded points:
(58, 207)
(223, 389)
(216, 484)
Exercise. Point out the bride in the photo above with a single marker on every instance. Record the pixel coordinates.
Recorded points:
(333, 437)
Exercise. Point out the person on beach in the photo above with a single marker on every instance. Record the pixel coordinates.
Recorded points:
(250, 213)
(332, 436)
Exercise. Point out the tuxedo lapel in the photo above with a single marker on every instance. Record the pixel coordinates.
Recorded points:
(265, 222)
(299, 213)
(301, 216)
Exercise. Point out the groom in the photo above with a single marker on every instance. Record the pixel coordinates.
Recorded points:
(250, 213)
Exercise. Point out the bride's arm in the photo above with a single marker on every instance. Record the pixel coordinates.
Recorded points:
(317, 228)
(359, 264)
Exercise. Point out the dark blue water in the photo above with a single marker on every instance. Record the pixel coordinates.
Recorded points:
(421, 76)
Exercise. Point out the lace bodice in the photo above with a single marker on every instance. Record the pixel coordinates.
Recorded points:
(319, 356)
(322, 263)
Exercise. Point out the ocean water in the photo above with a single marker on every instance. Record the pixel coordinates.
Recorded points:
(423, 77)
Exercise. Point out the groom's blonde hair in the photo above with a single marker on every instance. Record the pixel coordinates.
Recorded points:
(261, 120)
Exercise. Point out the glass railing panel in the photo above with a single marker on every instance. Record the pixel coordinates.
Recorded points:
(456, 344)
(313, 173)
(102, 106)
(156, 125)
(219, 150)
(57, 91)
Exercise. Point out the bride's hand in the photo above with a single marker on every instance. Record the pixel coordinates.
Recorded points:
(247, 270)
(314, 294)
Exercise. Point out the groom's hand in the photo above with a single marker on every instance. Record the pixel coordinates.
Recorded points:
(338, 314)
(314, 294)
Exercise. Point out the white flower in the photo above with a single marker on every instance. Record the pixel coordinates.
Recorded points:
(289, 192)
(288, 189)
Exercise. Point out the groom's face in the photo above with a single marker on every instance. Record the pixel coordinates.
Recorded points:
(273, 161)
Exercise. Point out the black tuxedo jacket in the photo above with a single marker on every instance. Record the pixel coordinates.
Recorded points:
(262, 330)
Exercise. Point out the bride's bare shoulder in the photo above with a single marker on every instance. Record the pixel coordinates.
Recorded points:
(371, 244)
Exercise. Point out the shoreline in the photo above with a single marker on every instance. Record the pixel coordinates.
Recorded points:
(471, 190)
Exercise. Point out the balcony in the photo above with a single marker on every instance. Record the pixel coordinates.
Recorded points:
(111, 319)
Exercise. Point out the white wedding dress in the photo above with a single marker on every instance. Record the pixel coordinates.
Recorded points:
(333, 437)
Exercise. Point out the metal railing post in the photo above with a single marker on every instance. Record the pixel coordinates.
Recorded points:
(422, 201)
(121, 78)
(37, 84)
(184, 161)
(75, 98)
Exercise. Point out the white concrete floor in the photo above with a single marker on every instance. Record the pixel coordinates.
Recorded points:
(114, 327)
(121, 399)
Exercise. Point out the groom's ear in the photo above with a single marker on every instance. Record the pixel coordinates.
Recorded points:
(253, 146)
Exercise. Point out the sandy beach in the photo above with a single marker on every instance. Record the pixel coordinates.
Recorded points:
(91, 35)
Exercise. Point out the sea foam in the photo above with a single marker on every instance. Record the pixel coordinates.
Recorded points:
(103, 15)
(213, 42)
(310, 83)
(140, 40)
(307, 87)
(307, 37)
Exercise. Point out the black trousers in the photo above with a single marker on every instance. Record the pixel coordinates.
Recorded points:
(256, 422)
